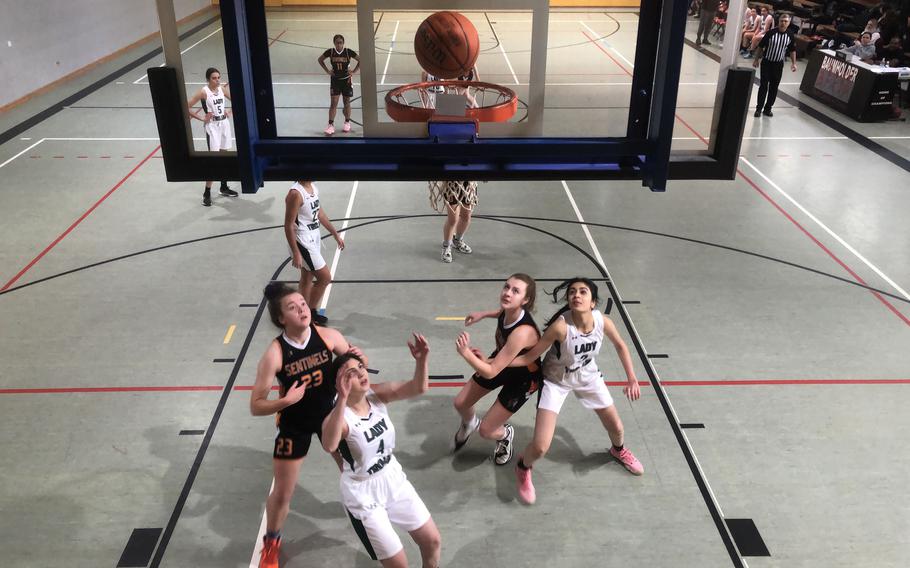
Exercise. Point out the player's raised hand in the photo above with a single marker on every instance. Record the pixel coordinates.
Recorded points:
(343, 386)
(420, 348)
(463, 343)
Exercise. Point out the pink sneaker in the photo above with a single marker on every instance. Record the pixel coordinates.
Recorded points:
(346, 127)
(628, 461)
(526, 492)
(330, 130)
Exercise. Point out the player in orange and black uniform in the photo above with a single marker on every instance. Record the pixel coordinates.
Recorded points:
(301, 359)
(516, 332)
(342, 83)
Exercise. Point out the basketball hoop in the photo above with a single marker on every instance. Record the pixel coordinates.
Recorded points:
(415, 102)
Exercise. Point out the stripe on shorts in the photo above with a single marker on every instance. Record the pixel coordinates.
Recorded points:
(307, 260)
(362, 534)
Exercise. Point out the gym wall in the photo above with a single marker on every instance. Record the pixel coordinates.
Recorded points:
(44, 41)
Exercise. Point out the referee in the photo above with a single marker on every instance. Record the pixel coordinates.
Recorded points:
(771, 52)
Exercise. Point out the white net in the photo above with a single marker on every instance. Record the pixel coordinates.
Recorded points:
(445, 194)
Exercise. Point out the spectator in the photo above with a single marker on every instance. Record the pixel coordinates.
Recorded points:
(865, 50)
(766, 21)
(705, 20)
(750, 25)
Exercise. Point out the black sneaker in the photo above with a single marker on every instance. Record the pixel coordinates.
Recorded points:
(319, 319)
(706, 42)
(225, 190)
(757, 113)
(768, 113)
(207, 199)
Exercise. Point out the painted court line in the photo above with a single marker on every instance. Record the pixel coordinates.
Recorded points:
(344, 226)
(22, 152)
(388, 57)
(688, 450)
(137, 81)
(229, 334)
(77, 221)
(449, 318)
(502, 50)
(825, 228)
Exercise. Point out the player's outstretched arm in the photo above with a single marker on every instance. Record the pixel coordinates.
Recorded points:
(522, 336)
(327, 223)
(334, 428)
(419, 384)
(475, 317)
(632, 389)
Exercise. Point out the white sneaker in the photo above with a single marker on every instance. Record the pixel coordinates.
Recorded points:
(447, 254)
(461, 246)
(347, 126)
(330, 129)
(465, 430)
(503, 452)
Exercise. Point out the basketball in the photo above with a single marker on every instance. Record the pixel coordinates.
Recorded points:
(447, 45)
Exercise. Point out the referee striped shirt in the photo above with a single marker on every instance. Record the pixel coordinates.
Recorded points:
(777, 45)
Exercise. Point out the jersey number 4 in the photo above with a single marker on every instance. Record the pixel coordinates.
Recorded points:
(381, 448)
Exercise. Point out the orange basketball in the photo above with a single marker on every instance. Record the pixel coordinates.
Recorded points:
(447, 45)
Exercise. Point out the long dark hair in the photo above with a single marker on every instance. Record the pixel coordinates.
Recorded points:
(274, 293)
(563, 289)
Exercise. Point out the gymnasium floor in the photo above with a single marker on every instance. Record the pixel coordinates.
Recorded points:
(772, 308)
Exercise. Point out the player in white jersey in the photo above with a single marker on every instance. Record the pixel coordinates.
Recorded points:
(574, 336)
(303, 215)
(217, 127)
(374, 489)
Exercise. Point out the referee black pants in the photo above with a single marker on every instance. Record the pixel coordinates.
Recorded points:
(771, 72)
(705, 19)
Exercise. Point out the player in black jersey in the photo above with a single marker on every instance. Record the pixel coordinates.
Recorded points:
(516, 332)
(301, 359)
(342, 83)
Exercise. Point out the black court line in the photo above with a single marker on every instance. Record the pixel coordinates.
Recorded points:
(248, 306)
(371, 220)
(102, 82)
(139, 548)
(629, 302)
(203, 448)
(373, 371)
(190, 433)
(747, 537)
(223, 360)
(658, 356)
(826, 120)
(446, 377)
(689, 425)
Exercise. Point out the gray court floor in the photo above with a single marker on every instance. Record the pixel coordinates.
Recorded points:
(772, 309)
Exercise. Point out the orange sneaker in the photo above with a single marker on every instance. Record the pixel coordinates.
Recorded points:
(269, 556)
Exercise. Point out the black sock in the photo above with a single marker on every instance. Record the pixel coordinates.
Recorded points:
(521, 465)
(331, 122)
(208, 190)
(618, 448)
(272, 535)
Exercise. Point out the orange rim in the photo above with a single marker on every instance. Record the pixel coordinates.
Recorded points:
(503, 107)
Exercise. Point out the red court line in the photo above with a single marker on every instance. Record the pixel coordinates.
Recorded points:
(855, 276)
(276, 37)
(76, 222)
(447, 384)
(607, 53)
